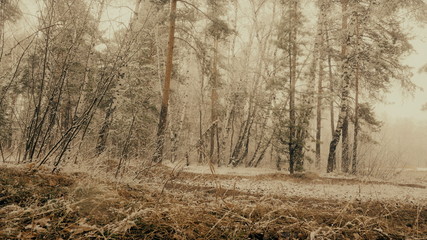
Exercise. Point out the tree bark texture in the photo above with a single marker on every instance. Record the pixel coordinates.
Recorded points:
(321, 27)
(158, 154)
(356, 104)
(345, 77)
(292, 87)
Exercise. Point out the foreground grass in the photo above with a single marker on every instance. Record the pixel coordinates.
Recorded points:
(39, 205)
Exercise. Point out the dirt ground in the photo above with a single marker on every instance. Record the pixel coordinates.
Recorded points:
(166, 203)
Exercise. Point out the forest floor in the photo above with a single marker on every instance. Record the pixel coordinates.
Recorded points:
(197, 203)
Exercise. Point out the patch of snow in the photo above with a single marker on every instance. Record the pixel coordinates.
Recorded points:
(223, 170)
(366, 189)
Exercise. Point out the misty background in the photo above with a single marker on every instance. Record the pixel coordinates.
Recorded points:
(401, 142)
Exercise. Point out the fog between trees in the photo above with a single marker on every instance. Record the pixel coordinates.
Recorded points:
(283, 84)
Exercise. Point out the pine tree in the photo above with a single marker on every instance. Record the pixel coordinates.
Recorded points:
(158, 155)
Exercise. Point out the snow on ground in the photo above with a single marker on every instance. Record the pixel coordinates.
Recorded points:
(362, 191)
(238, 171)
(409, 187)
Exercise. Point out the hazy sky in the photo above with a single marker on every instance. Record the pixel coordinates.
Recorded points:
(397, 106)
(410, 107)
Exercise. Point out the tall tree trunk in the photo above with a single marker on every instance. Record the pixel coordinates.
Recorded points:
(158, 154)
(331, 89)
(331, 82)
(321, 27)
(2, 17)
(345, 88)
(292, 87)
(345, 155)
(214, 103)
(356, 104)
(201, 143)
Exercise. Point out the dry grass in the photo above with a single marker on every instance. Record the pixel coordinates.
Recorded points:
(38, 205)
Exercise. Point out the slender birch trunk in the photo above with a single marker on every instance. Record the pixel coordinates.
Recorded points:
(345, 88)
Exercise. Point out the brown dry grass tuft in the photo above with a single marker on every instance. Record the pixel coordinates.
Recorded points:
(38, 205)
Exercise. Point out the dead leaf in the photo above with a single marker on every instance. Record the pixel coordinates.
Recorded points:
(124, 226)
(356, 236)
(35, 228)
(80, 227)
(43, 221)
(26, 235)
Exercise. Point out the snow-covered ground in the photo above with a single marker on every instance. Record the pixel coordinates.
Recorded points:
(407, 187)
(410, 186)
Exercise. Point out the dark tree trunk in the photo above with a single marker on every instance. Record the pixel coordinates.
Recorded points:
(345, 156)
(356, 107)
